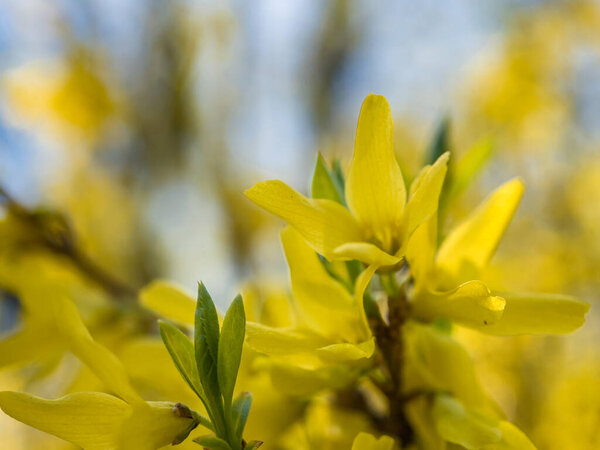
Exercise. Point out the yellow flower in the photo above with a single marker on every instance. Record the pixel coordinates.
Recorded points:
(94, 420)
(379, 219)
(446, 282)
(457, 409)
(331, 324)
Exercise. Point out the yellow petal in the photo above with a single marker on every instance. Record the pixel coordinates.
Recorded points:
(437, 362)
(471, 304)
(360, 286)
(365, 252)
(98, 358)
(375, 190)
(169, 301)
(152, 425)
(32, 341)
(88, 419)
(425, 195)
(366, 441)
(345, 352)
(420, 252)
(325, 304)
(539, 314)
(463, 426)
(292, 379)
(469, 247)
(282, 341)
(512, 439)
(323, 223)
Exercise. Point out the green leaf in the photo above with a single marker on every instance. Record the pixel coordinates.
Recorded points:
(253, 445)
(206, 344)
(240, 410)
(230, 348)
(441, 141)
(212, 442)
(323, 184)
(181, 350)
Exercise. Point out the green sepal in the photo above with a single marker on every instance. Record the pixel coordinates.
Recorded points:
(211, 442)
(253, 445)
(240, 410)
(181, 350)
(324, 185)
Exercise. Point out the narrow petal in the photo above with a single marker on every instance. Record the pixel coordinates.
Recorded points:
(90, 420)
(512, 439)
(360, 286)
(323, 223)
(31, 342)
(367, 253)
(424, 195)
(463, 426)
(468, 249)
(338, 353)
(169, 301)
(435, 361)
(539, 314)
(471, 304)
(366, 441)
(282, 341)
(375, 190)
(420, 252)
(325, 304)
(98, 358)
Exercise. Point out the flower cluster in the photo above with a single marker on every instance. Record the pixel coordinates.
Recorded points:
(361, 355)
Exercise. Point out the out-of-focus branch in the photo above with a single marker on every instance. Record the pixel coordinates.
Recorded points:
(52, 231)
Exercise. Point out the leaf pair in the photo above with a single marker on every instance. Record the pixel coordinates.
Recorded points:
(210, 366)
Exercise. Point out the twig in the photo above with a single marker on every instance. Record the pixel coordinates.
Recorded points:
(54, 233)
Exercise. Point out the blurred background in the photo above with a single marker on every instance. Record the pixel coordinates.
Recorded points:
(129, 130)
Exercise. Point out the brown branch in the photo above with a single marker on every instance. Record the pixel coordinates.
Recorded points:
(390, 342)
(52, 231)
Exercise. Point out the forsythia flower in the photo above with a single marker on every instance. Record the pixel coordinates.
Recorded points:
(379, 220)
(446, 283)
(95, 420)
(331, 328)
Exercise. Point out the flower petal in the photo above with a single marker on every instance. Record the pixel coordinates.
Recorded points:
(98, 358)
(365, 252)
(468, 249)
(512, 439)
(33, 340)
(325, 304)
(420, 252)
(424, 195)
(88, 419)
(338, 353)
(471, 304)
(463, 426)
(366, 441)
(437, 362)
(539, 314)
(169, 301)
(282, 341)
(323, 223)
(375, 189)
